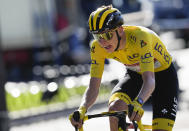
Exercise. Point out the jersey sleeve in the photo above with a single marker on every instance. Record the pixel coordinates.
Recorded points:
(146, 52)
(98, 55)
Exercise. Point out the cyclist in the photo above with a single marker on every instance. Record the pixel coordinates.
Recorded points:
(150, 71)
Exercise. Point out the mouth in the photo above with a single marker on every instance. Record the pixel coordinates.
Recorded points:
(108, 47)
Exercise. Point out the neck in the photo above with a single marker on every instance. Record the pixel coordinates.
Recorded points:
(123, 41)
(118, 41)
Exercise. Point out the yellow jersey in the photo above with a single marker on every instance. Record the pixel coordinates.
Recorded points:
(143, 51)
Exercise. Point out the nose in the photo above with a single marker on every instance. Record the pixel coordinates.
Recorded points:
(102, 42)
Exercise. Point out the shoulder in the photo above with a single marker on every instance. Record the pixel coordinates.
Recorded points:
(139, 37)
(138, 30)
(143, 31)
(94, 45)
(136, 34)
(95, 48)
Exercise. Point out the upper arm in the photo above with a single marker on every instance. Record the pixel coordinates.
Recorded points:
(146, 52)
(98, 56)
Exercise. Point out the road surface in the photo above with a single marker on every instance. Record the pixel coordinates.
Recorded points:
(101, 124)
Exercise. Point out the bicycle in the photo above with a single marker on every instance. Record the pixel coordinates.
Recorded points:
(118, 114)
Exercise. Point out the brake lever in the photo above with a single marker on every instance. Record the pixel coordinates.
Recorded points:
(76, 117)
(129, 114)
(135, 125)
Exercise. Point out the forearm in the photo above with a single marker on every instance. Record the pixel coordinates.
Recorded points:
(89, 97)
(147, 89)
(148, 85)
(91, 93)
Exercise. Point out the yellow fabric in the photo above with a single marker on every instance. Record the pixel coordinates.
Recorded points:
(144, 51)
(95, 18)
(162, 123)
(120, 129)
(140, 125)
(121, 96)
(90, 26)
(70, 116)
(82, 110)
(138, 108)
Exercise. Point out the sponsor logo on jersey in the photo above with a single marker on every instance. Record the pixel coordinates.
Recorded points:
(147, 55)
(175, 107)
(115, 58)
(142, 43)
(155, 124)
(170, 124)
(93, 49)
(133, 56)
(164, 111)
(93, 62)
(144, 58)
(133, 38)
(159, 48)
(167, 57)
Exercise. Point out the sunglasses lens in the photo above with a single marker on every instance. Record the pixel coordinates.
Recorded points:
(105, 36)
(109, 35)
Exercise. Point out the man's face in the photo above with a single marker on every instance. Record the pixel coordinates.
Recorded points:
(107, 40)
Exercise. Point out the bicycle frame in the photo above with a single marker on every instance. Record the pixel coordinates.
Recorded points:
(141, 126)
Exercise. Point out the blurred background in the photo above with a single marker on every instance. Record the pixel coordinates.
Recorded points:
(45, 59)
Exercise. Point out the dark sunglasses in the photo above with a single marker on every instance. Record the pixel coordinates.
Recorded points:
(106, 36)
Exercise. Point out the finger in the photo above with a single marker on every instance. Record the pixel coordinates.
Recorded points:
(80, 124)
(140, 113)
(74, 123)
(137, 117)
(132, 116)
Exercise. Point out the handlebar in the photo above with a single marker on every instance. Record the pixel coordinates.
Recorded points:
(111, 113)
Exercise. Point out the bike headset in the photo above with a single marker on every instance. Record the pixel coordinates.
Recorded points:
(104, 20)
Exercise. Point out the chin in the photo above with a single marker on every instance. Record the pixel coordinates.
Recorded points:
(110, 51)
